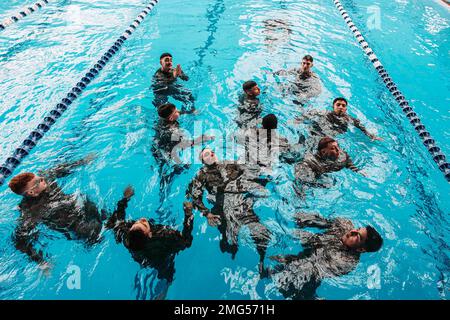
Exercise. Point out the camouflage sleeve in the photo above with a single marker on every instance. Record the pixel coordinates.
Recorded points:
(357, 124)
(195, 192)
(184, 76)
(305, 220)
(349, 164)
(117, 220)
(24, 237)
(64, 169)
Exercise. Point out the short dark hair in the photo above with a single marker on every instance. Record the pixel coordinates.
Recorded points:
(165, 110)
(374, 241)
(136, 240)
(248, 85)
(308, 58)
(165, 54)
(340, 99)
(323, 143)
(19, 182)
(270, 122)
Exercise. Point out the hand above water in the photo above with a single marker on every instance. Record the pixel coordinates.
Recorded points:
(46, 268)
(375, 138)
(128, 192)
(177, 72)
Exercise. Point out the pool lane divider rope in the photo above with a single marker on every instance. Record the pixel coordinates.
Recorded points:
(436, 153)
(30, 142)
(22, 14)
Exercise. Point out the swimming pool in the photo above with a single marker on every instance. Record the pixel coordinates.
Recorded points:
(220, 44)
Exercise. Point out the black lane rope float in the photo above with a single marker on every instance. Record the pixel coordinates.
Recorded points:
(22, 14)
(438, 156)
(30, 142)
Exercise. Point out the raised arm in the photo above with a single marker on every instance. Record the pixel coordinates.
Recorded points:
(117, 219)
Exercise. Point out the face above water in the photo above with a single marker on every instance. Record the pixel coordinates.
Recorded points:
(209, 157)
(254, 91)
(174, 116)
(35, 187)
(340, 107)
(143, 226)
(355, 239)
(307, 65)
(166, 63)
(331, 151)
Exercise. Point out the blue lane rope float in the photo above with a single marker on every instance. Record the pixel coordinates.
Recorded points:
(22, 14)
(30, 142)
(438, 156)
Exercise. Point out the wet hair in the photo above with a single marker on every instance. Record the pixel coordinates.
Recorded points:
(136, 240)
(270, 122)
(248, 85)
(19, 182)
(340, 99)
(165, 110)
(323, 143)
(165, 54)
(308, 58)
(374, 240)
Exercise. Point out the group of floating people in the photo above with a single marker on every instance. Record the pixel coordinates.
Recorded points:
(231, 187)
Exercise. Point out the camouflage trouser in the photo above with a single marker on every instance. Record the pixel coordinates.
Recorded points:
(297, 280)
(236, 212)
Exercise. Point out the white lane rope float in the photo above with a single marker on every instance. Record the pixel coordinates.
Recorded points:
(438, 156)
(30, 142)
(22, 14)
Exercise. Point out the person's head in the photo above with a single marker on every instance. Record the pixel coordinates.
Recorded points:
(270, 122)
(138, 234)
(28, 185)
(251, 88)
(166, 61)
(363, 239)
(169, 112)
(340, 106)
(328, 148)
(208, 157)
(307, 63)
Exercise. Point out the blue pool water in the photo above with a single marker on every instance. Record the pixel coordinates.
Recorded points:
(220, 44)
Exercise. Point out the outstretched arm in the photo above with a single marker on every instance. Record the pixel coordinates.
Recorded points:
(350, 165)
(285, 72)
(64, 169)
(357, 123)
(199, 140)
(305, 220)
